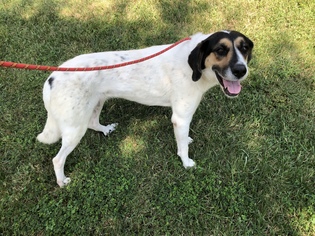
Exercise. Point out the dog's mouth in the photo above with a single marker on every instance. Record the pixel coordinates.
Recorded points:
(230, 88)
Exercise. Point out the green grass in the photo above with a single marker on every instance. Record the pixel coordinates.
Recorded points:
(255, 154)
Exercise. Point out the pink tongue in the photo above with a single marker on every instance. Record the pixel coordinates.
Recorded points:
(234, 87)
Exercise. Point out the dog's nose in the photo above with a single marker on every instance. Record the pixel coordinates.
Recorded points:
(239, 70)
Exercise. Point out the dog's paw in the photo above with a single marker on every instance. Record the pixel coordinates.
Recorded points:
(109, 128)
(64, 182)
(189, 163)
(190, 140)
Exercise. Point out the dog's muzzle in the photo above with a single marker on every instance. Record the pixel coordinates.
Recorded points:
(230, 88)
(239, 70)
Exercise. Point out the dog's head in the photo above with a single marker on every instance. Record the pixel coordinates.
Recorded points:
(226, 54)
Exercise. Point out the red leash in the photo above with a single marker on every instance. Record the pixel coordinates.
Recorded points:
(54, 68)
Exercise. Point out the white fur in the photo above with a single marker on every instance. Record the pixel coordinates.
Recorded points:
(75, 99)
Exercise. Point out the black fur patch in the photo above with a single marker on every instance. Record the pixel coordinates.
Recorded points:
(50, 81)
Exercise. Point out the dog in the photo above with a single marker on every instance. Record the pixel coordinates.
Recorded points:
(178, 78)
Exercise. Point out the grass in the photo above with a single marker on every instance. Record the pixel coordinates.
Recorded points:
(255, 154)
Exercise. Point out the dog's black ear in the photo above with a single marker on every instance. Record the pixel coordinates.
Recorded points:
(251, 45)
(195, 61)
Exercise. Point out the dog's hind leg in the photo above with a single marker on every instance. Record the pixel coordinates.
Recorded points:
(70, 139)
(95, 120)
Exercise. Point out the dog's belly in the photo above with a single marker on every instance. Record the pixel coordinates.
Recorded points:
(145, 97)
(150, 101)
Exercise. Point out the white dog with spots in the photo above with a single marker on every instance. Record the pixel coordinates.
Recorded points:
(178, 78)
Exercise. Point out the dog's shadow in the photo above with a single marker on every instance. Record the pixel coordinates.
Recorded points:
(143, 133)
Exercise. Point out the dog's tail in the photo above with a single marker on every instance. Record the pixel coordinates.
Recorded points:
(51, 132)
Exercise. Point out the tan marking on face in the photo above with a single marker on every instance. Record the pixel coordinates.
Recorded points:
(221, 61)
(237, 43)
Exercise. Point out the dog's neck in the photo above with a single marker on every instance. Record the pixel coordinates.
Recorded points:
(207, 81)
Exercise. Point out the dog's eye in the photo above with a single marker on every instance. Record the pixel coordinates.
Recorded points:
(221, 51)
(244, 48)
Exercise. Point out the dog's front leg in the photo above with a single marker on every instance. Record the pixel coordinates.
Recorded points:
(181, 130)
